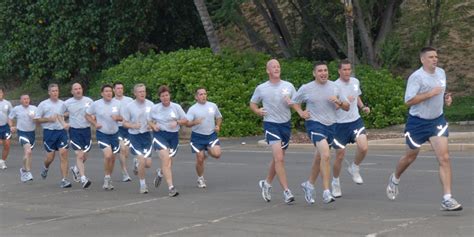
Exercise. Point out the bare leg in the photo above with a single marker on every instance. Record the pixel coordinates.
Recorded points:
(215, 151)
(27, 157)
(405, 161)
(362, 148)
(279, 164)
(166, 162)
(63, 154)
(6, 149)
(323, 148)
(336, 168)
(81, 157)
(200, 158)
(440, 146)
(124, 150)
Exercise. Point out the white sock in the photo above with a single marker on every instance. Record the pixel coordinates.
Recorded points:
(159, 173)
(202, 177)
(170, 187)
(142, 182)
(327, 191)
(83, 178)
(107, 177)
(309, 184)
(447, 196)
(354, 165)
(336, 180)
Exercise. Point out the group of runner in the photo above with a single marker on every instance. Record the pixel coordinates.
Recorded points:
(331, 114)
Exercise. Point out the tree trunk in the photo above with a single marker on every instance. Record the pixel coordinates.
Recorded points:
(434, 21)
(350, 32)
(255, 38)
(280, 23)
(208, 26)
(279, 38)
(387, 23)
(364, 33)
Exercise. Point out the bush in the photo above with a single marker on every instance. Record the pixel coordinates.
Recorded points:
(231, 79)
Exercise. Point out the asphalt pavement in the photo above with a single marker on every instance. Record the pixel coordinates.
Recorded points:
(232, 205)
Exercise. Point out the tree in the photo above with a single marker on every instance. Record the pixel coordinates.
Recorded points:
(350, 32)
(208, 26)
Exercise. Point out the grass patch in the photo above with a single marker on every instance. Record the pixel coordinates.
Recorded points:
(462, 109)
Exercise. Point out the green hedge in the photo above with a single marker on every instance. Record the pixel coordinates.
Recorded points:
(231, 79)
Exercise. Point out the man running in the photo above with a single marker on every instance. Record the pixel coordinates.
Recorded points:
(323, 99)
(165, 120)
(135, 117)
(425, 94)
(205, 121)
(104, 114)
(349, 128)
(123, 132)
(5, 132)
(275, 96)
(79, 132)
(50, 115)
(25, 128)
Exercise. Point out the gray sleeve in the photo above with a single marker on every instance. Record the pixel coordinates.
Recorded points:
(256, 97)
(218, 113)
(181, 113)
(91, 109)
(413, 86)
(125, 113)
(298, 96)
(12, 114)
(39, 111)
(190, 115)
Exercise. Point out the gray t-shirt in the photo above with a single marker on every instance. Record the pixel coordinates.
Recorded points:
(420, 82)
(103, 111)
(209, 112)
(5, 108)
(166, 116)
(272, 96)
(350, 88)
(77, 111)
(24, 117)
(316, 96)
(136, 112)
(48, 108)
(124, 101)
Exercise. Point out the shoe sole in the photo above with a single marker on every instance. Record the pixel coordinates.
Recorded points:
(332, 200)
(174, 195)
(126, 180)
(87, 184)
(74, 175)
(290, 201)
(455, 209)
(157, 182)
(67, 186)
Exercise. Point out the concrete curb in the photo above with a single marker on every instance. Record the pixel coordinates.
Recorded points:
(399, 143)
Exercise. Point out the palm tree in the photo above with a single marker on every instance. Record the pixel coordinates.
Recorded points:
(208, 26)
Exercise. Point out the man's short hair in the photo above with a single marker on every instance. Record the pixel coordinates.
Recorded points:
(138, 86)
(106, 86)
(319, 63)
(427, 49)
(200, 88)
(52, 85)
(343, 62)
(163, 89)
(117, 83)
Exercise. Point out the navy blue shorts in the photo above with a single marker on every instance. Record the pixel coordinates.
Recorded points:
(5, 132)
(200, 142)
(26, 138)
(418, 130)
(54, 140)
(348, 133)
(166, 140)
(80, 139)
(277, 132)
(140, 144)
(123, 135)
(318, 131)
(108, 140)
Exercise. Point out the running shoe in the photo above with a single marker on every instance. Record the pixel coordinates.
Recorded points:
(75, 174)
(266, 190)
(86, 183)
(44, 172)
(308, 190)
(65, 183)
(327, 197)
(143, 189)
(201, 183)
(450, 205)
(336, 188)
(3, 165)
(173, 192)
(392, 188)
(288, 196)
(354, 171)
(158, 178)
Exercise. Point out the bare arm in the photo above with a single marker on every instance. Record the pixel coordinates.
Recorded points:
(258, 111)
(303, 114)
(218, 124)
(424, 96)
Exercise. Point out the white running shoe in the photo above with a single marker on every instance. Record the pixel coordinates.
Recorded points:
(143, 189)
(354, 170)
(108, 184)
(327, 197)
(173, 192)
(158, 178)
(201, 183)
(450, 205)
(392, 188)
(65, 184)
(266, 190)
(126, 178)
(23, 175)
(29, 176)
(75, 174)
(288, 196)
(86, 183)
(3, 165)
(308, 190)
(336, 188)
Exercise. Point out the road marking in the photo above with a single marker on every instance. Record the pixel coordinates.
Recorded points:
(97, 211)
(405, 224)
(210, 222)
